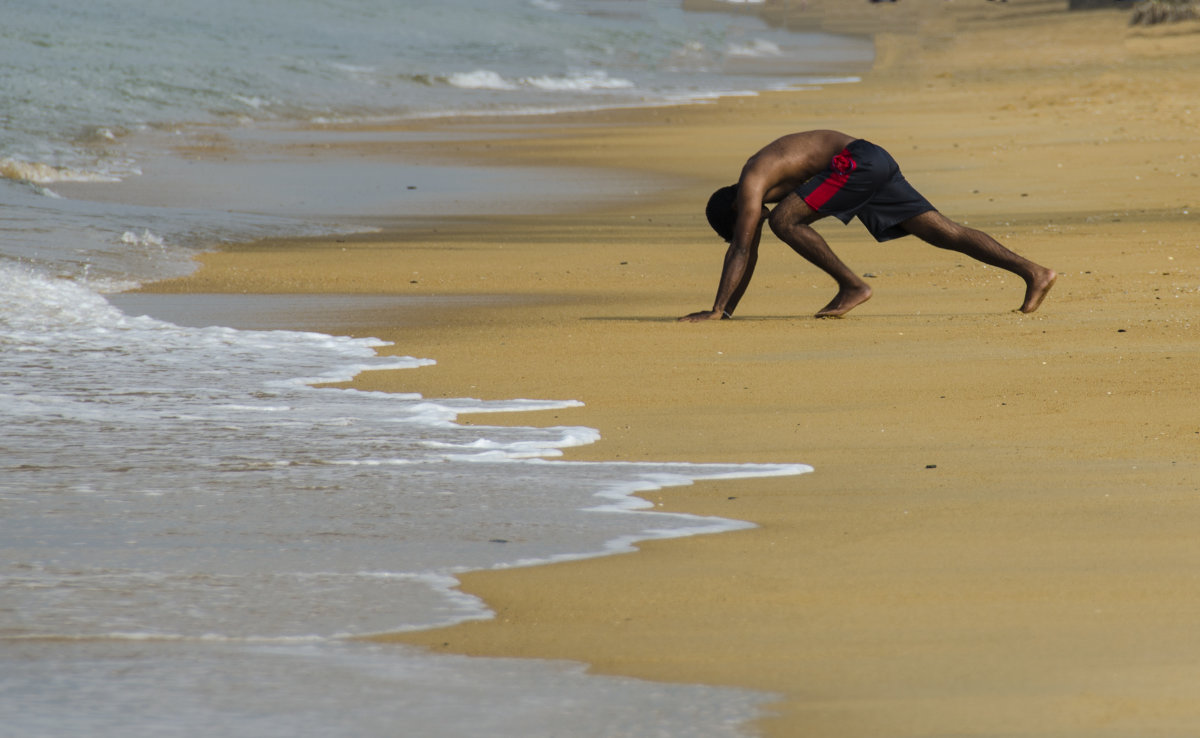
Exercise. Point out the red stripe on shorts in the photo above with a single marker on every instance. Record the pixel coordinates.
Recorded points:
(832, 185)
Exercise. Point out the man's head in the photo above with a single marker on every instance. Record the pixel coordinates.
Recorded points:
(722, 211)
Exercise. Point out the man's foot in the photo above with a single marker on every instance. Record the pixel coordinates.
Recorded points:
(1037, 288)
(846, 300)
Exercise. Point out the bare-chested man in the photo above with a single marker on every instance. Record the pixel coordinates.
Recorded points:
(819, 173)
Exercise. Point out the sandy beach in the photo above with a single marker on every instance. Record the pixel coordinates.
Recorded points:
(999, 535)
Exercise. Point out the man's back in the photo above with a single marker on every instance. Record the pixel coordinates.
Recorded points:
(787, 162)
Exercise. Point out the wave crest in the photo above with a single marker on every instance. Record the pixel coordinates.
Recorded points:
(486, 79)
(39, 173)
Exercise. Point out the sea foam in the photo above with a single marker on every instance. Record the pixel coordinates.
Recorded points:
(39, 173)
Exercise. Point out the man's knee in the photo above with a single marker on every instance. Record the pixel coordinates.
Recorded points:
(779, 222)
(790, 213)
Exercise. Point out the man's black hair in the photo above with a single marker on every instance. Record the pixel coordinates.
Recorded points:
(721, 211)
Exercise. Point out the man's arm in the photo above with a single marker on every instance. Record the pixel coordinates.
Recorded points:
(740, 258)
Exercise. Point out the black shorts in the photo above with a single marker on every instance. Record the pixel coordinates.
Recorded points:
(865, 181)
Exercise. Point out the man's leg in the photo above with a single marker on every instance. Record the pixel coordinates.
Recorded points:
(935, 228)
(791, 221)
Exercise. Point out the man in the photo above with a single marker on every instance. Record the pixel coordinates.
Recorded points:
(818, 173)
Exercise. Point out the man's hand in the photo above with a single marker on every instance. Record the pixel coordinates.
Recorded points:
(702, 315)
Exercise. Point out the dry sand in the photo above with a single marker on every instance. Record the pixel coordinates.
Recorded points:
(1000, 537)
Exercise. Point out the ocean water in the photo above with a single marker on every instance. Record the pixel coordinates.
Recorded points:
(192, 532)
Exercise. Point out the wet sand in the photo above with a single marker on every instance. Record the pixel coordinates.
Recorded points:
(999, 537)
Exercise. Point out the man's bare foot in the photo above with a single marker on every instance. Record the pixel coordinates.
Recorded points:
(846, 300)
(1037, 289)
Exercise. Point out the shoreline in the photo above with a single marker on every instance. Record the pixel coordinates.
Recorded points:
(1000, 520)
